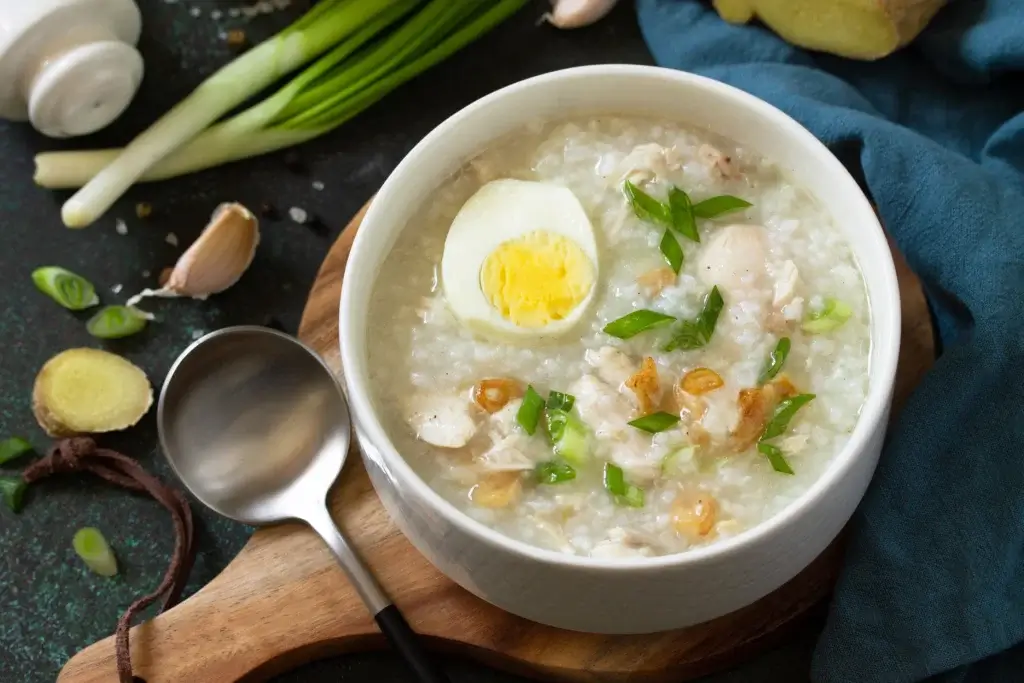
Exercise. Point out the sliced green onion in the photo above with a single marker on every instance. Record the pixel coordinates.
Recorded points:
(655, 422)
(554, 472)
(636, 322)
(559, 401)
(672, 252)
(783, 414)
(696, 334)
(646, 207)
(831, 316)
(114, 322)
(716, 206)
(13, 491)
(682, 214)
(12, 448)
(569, 436)
(669, 464)
(68, 289)
(92, 547)
(776, 360)
(775, 457)
(529, 410)
(622, 492)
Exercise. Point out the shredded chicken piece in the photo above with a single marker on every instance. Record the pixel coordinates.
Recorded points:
(735, 258)
(694, 513)
(441, 420)
(494, 393)
(701, 381)
(644, 383)
(507, 455)
(646, 162)
(717, 161)
(497, 490)
(613, 366)
(755, 406)
(654, 281)
(623, 543)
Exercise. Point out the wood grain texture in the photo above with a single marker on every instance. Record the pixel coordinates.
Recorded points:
(283, 602)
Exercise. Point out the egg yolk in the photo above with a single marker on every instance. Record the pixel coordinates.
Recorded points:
(537, 279)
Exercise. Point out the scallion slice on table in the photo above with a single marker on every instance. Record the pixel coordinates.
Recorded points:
(713, 207)
(655, 422)
(636, 322)
(529, 410)
(12, 448)
(92, 547)
(554, 472)
(622, 492)
(776, 359)
(831, 316)
(68, 289)
(357, 68)
(697, 333)
(115, 322)
(12, 489)
(681, 209)
(672, 252)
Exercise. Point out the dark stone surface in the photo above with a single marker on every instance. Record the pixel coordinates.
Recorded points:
(51, 605)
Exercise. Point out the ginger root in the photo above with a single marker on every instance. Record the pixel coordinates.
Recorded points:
(858, 29)
(88, 391)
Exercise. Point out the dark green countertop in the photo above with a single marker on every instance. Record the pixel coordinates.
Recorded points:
(52, 606)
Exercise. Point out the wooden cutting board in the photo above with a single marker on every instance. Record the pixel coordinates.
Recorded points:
(283, 601)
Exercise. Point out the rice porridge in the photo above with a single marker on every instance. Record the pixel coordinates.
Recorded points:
(619, 337)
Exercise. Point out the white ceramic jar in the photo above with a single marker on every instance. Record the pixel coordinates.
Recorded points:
(68, 66)
(637, 595)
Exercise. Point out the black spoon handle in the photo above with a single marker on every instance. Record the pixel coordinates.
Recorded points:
(397, 630)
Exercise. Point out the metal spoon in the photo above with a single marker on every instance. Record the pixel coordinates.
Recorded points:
(256, 426)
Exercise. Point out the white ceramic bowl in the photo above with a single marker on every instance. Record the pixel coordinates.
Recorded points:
(648, 594)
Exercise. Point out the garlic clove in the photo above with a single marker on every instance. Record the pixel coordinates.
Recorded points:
(578, 13)
(219, 257)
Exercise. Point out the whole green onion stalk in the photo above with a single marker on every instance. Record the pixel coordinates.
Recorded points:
(357, 66)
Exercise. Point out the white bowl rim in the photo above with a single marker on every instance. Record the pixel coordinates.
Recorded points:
(873, 410)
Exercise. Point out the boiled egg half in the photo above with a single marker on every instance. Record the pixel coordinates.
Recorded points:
(520, 261)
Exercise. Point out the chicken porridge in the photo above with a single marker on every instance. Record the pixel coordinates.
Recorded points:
(619, 338)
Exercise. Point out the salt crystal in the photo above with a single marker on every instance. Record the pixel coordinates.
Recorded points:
(196, 334)
(264, 7)
(250, 12)
(216, 14)
(171, 239)
(234, 12)
(317, 185)
(116, 289)
(146, 273)
(282, 4)
(195, 11)
(120, 227)
(298, 215)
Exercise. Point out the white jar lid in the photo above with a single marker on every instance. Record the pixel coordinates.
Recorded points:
(84, 89)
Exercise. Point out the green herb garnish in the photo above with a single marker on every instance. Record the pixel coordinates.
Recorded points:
(784, 413)
(655, 422)
(92, 547)
(697, 333)
(832, 315)
(681, 209)
(716, 206)
(13, 491)
(636, 322)
(114, 322)
(672, 252)
(775, 458)
(529, 410)
(554, 472)
(559, 401)
(622, 493)
(12, 448)
(776, 360)
(645, 206)
(778, 424)
(69, 290)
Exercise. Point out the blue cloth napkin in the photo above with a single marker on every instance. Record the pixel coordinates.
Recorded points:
(933, 583)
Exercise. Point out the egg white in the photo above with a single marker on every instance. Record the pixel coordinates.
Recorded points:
(500, 211)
